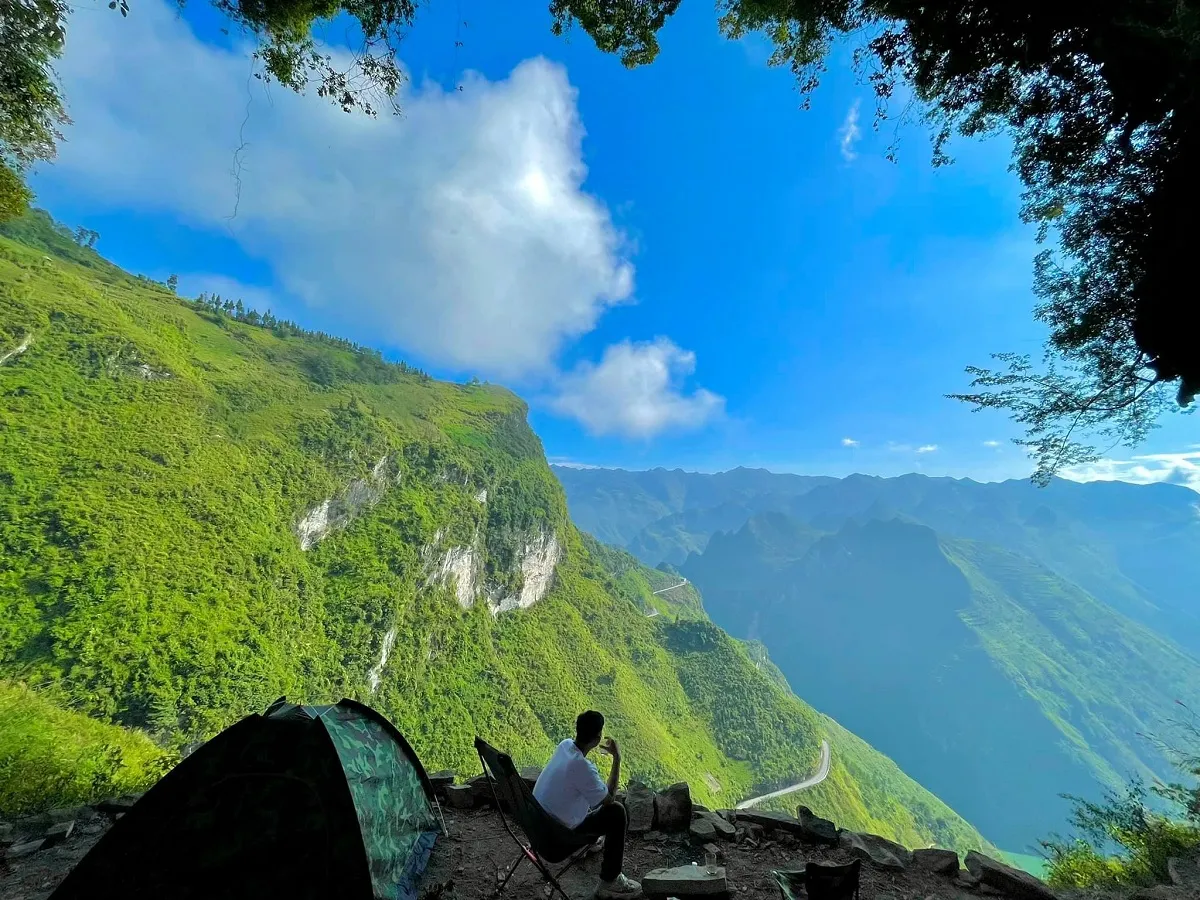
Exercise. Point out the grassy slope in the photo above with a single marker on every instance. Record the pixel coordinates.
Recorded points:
(151, 575)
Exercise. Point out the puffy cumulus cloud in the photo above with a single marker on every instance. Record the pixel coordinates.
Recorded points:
(927, 448)
(1170, 468)
(460, 230)
(635, 391)
(849, 442)
(849, 133)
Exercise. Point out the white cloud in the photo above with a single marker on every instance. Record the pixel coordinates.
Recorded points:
(991, 443)
(849, 442)
(927, 448)
(635, 391)
(460, 230)
(849, 133)
(1151, 468)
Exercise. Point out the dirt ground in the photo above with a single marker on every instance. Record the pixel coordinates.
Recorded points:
(467, 863)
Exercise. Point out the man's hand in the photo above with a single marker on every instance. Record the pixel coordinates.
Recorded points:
(610, 747)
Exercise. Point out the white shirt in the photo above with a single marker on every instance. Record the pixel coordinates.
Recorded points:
(570, 786)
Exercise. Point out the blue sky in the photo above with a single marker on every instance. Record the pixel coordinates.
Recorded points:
(675, 265)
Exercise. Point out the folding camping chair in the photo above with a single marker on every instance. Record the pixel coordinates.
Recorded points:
(821, 881)
(549, 842)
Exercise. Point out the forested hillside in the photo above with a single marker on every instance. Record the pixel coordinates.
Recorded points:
(205, 508)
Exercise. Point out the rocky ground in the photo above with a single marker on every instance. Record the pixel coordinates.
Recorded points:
(468, 862)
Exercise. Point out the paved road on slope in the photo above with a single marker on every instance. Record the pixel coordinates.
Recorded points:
(822, 774)
(671, 588)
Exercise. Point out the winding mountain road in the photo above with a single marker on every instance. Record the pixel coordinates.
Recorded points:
(671, 588)
(821, 775)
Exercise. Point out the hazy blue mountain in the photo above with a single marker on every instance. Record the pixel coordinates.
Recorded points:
(993, 680)
(615, 504)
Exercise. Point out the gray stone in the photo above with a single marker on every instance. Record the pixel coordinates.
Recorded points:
(1006, 879)
(944, 862)
(654, 836)
(700, 807)
(702, 829)
(770, 821)
(482, 789)
(713, 849)
(684, 881)
(1184, 871)
(673, 808)
(639, 803)
(728, 815)
(967, 880)
(460, 796)
(117, 805)
(1162, 892)
(23, 849)
(723, 827)
(814, 829)
(530, 775)
(878, 851)
(66, 814)
(58, 832)
(6, 835)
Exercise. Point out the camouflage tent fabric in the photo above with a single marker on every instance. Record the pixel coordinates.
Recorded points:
(300, 802)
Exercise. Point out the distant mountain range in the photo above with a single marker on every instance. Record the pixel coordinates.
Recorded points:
(1003, 643)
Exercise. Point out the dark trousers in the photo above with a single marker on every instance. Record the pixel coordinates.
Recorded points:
(610, 821)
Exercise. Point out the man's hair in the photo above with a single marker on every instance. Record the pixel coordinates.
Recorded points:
(588, 726)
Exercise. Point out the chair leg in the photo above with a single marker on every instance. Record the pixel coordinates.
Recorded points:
(552, 880)
(511, 869)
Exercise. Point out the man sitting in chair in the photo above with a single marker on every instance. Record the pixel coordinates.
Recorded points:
(570, 789)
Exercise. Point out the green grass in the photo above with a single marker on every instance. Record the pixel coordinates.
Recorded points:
(152, 580)
(53, 757)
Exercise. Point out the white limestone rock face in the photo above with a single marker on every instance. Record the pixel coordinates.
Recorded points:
(539, 558)
(376, 673)
(335, 513)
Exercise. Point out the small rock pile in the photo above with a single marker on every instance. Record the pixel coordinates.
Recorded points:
(30, 834)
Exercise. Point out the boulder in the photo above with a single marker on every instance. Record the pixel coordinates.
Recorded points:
(878, 851)
(23, 849)
(967, 880)
(530, 775)
(58, 832)
(684, 881)
(66, 813)
(639, 803)
(1184, 871)
(1006, 879)
(673, 808)
(814, 829)
(460, 796)
(769, 821)
(728, 815)
(702, 829)
(944, 862)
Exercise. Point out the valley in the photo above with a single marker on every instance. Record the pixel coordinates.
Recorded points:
(1002, 642)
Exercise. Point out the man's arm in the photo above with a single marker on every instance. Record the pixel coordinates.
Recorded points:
(610, 747)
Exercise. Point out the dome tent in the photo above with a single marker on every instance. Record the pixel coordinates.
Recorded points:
(299, 802)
